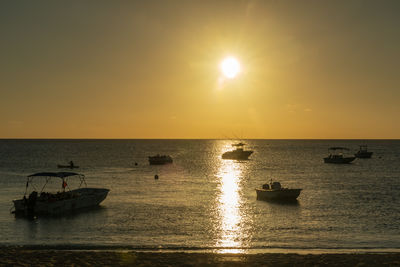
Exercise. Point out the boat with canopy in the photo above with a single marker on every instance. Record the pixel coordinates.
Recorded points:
(238, 154)
(275, 192)
(336, 156)
(38, 200)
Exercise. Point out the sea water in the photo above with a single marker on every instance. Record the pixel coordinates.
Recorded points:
(203, 202)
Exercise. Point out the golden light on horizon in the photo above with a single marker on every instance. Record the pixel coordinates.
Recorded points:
(230, 67)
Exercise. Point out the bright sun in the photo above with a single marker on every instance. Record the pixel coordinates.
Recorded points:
(230, 67)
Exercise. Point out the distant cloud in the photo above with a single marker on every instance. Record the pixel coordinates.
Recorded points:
(291, 107)
(295, 108)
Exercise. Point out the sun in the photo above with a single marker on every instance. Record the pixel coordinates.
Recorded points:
(230, 67)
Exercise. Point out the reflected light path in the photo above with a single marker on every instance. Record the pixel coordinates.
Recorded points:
(229, 199)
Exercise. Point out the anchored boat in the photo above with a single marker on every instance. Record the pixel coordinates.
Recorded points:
(239, 153)
(70, 165)
(274, 191)
(363, 153)
(67, 166)
(42, 202)
(336, 156)
(160, 159)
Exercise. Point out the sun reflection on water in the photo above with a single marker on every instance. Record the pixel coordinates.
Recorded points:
(229, 200)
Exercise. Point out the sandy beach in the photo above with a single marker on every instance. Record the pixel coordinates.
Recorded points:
(20, 256)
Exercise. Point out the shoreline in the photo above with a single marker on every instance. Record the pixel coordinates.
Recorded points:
(28, 256)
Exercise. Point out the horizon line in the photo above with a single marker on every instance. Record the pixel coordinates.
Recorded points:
(66, 138)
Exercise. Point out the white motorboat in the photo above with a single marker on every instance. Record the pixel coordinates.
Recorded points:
(336, 156)
(66, 200)
(239, 153)
(274, 191)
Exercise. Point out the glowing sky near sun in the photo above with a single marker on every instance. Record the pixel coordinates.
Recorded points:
(152, 69)
(230, 67)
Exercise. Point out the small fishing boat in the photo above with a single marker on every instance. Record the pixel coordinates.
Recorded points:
(238, 154)
(160, 159)
(274, 191)
(71, 165)
(67, 166)
(363, 153)
(35, 202)
(336, 156)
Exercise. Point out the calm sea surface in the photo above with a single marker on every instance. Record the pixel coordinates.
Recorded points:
(204, 202)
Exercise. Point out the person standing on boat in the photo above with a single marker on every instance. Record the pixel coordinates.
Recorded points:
(64, 185)
(71, 164)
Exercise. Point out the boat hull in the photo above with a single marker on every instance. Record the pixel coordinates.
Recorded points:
(159, 161)
(339, 160)
(281, 194)
(238, 155)
(67, 166)
(363, 155)
(79, 199)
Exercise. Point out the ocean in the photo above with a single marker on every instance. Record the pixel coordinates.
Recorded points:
(202, 202)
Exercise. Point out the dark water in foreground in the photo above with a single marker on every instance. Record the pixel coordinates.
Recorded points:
(204, 202)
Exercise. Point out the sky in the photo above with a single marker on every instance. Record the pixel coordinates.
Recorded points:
(151, 69)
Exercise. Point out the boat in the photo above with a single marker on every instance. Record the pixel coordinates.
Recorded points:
(274, 191)
(363, 153)
(238, 153)
(69, 166)
(336, 156)
(66, 166)
(160, 159)
(61, 202)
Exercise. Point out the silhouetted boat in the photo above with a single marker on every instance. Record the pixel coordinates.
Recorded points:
(160, 159)
(69, 166)
(239, 153)
(47, 203)
(336, 156)
(363, 152)
(274, 191)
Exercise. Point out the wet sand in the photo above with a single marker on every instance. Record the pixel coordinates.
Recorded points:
(20, 256)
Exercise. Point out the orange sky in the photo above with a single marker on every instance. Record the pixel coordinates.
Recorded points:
(150, 69)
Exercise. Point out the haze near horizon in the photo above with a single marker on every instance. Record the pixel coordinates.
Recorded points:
(152, 69)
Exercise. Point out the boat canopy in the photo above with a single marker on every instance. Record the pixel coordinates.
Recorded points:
(54, 174)
(338, 148)
(49, 175)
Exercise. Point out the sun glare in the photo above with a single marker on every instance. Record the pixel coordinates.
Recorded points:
(230, 67)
